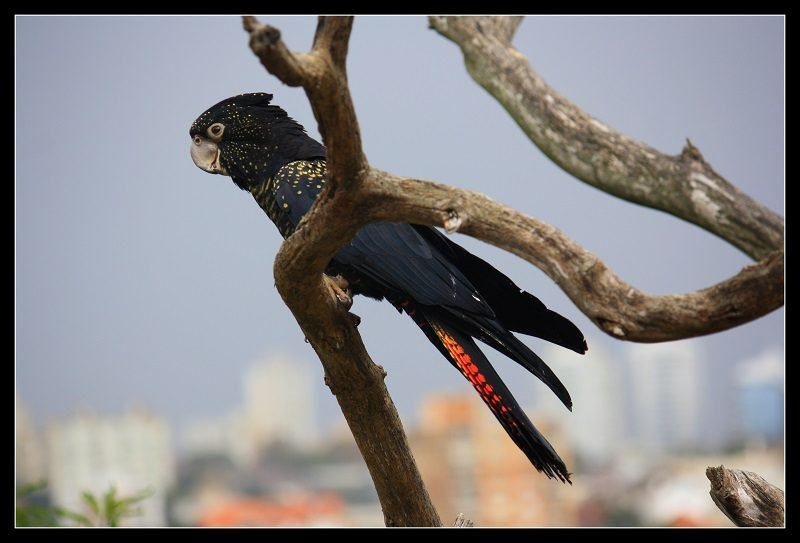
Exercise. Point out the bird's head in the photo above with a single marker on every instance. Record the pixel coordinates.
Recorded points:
(249, 139)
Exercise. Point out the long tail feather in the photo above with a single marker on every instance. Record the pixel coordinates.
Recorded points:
(460, 349)
(497, 337)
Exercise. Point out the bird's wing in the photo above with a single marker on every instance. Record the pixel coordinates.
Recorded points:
(518, 310)
(402, 259)
(393, 255)
(397, 257)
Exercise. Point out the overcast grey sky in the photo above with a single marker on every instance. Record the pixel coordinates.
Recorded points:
(141, 280)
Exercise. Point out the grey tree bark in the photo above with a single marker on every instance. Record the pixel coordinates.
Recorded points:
(684, 185)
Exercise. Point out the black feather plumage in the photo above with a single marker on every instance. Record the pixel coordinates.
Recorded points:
(452, 295)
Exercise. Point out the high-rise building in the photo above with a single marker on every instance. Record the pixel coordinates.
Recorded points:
(131, 452)
(665, 388)
(278, 407)
(760, 383)
(279, 403)
(597, 423)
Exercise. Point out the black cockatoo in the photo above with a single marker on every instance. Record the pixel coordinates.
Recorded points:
(452, 295)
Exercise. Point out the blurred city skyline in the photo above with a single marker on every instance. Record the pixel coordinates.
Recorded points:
(256, 466)
(605, 390)
(667, 410)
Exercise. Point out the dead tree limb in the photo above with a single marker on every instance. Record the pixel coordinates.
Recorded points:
(616, 307)
(745, 497)
(683, 185)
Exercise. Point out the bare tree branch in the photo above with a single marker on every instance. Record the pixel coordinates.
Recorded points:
(266, 43)
(357, 194)
(322, 74)
(745, 497)
(332, 39)
(351, 375)
(614, 306)
(684, 185)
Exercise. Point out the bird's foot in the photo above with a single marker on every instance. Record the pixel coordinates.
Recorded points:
(339, 288)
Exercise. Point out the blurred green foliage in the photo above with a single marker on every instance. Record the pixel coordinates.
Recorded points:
(106, 510)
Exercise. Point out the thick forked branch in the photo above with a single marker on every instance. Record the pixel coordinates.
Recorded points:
(352, 376)
(746, 498)
(684, 185)
(614, 306)
(323, 76)
(266, 43)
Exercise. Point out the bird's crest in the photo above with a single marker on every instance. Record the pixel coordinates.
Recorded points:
(257, 137)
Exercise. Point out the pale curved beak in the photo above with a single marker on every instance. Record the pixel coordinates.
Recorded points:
(205, 155)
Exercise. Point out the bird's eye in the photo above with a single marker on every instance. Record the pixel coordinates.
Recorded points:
(198, 140)
(215, 130)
